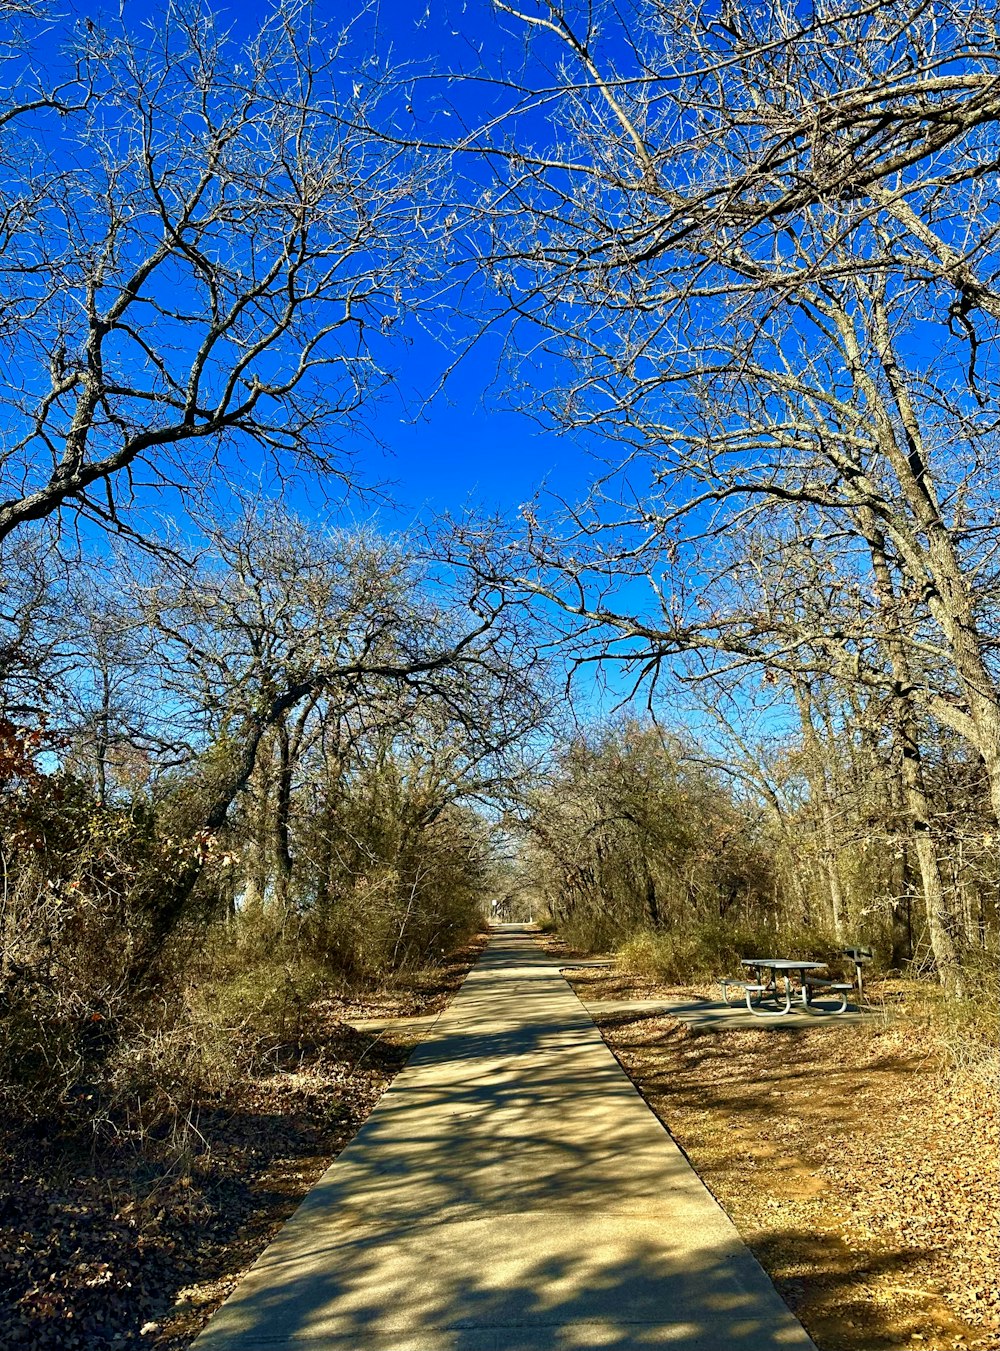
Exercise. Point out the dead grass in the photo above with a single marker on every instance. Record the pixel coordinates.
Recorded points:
(859, 1165)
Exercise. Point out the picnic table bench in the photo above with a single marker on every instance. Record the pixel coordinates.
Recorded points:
(839, 987)
(750, 990)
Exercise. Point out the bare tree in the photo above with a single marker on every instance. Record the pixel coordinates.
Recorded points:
(697, 132)
(627, 830)
(205, 249)
(114, 730)
(33, 614)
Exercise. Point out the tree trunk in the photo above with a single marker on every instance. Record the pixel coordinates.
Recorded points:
(820, 788)
(652, 907)
(918, 808)
(282, 823)
(948, 595)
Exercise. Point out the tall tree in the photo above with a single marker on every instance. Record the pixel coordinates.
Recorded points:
(715, 242)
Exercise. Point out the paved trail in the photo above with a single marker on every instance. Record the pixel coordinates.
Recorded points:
(511, 1192)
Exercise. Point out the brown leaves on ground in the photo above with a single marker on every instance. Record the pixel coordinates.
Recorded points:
(861, 1170)
(114, 1241)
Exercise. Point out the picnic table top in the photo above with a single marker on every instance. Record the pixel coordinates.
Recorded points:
(783, 963)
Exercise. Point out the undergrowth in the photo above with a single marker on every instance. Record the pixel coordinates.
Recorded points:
(227, 1007)
(713, 948)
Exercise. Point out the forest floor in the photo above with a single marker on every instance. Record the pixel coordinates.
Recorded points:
(135, 1239)
(859, 1165)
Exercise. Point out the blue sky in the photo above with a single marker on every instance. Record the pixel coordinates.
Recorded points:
(464, 447)
(460, 452)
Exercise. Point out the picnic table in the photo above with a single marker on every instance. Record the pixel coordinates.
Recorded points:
(769, 970)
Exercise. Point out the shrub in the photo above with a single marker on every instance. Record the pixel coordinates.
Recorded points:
(708, 949)
(970, 1025)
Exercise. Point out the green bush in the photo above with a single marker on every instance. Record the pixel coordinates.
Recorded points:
(588, 931)
(355, 937)
(249, 986)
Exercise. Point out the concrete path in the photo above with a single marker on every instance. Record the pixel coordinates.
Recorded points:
(511, 1192)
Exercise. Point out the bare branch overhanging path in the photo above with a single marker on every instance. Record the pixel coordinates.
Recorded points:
(511, 1192)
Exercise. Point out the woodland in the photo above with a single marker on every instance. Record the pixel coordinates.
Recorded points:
(264, 753)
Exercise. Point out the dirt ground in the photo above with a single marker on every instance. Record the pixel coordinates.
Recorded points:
(862, 1171)
(110, 1242)
(859, 1167)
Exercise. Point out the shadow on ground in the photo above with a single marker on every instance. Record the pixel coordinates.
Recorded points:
(511, 1194)
(760, 1126)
